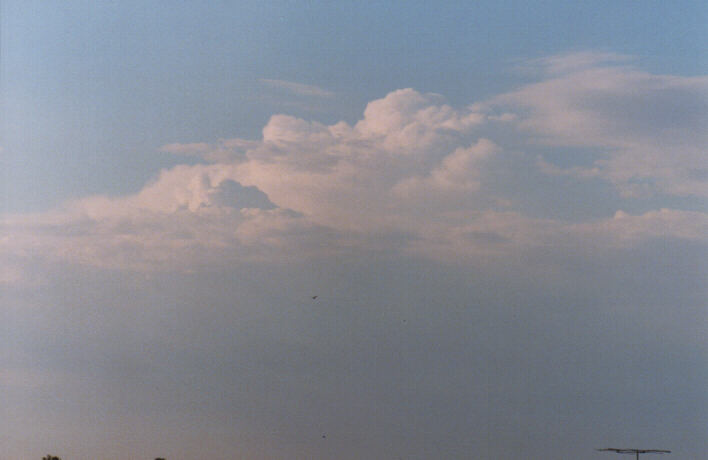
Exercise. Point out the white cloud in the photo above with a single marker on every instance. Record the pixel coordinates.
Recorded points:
(458, 172)
(650, 128)
(414, 169)
(344, 176)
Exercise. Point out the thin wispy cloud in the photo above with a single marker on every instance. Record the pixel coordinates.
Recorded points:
(572, 62)
(193, 148)
(299, 89)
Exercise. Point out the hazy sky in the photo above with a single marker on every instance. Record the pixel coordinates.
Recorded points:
(500, 206)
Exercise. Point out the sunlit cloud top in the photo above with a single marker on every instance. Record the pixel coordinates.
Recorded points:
(438, 177)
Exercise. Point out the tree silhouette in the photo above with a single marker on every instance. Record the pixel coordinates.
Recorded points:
(50, 457)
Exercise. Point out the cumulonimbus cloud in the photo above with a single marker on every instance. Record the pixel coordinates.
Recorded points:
(414, 169)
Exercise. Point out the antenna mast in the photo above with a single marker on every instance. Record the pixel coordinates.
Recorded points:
(636, 452)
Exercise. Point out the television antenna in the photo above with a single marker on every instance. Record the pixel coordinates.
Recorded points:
(634, 451)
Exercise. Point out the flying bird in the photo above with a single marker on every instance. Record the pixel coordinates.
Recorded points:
(314, 297)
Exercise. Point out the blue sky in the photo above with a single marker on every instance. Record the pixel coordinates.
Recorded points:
(500, 206)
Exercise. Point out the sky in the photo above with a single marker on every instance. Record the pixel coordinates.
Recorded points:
(353, 230)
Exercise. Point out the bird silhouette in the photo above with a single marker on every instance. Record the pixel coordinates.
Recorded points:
(314, 297)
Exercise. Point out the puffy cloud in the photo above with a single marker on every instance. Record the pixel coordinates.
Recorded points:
(406, 121)
(345, 176)
(414, 173)
(458, 172)
(182, 187)
(189, 216)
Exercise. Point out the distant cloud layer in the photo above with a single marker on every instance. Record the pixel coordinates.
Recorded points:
(431, 178)
(651, 128)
